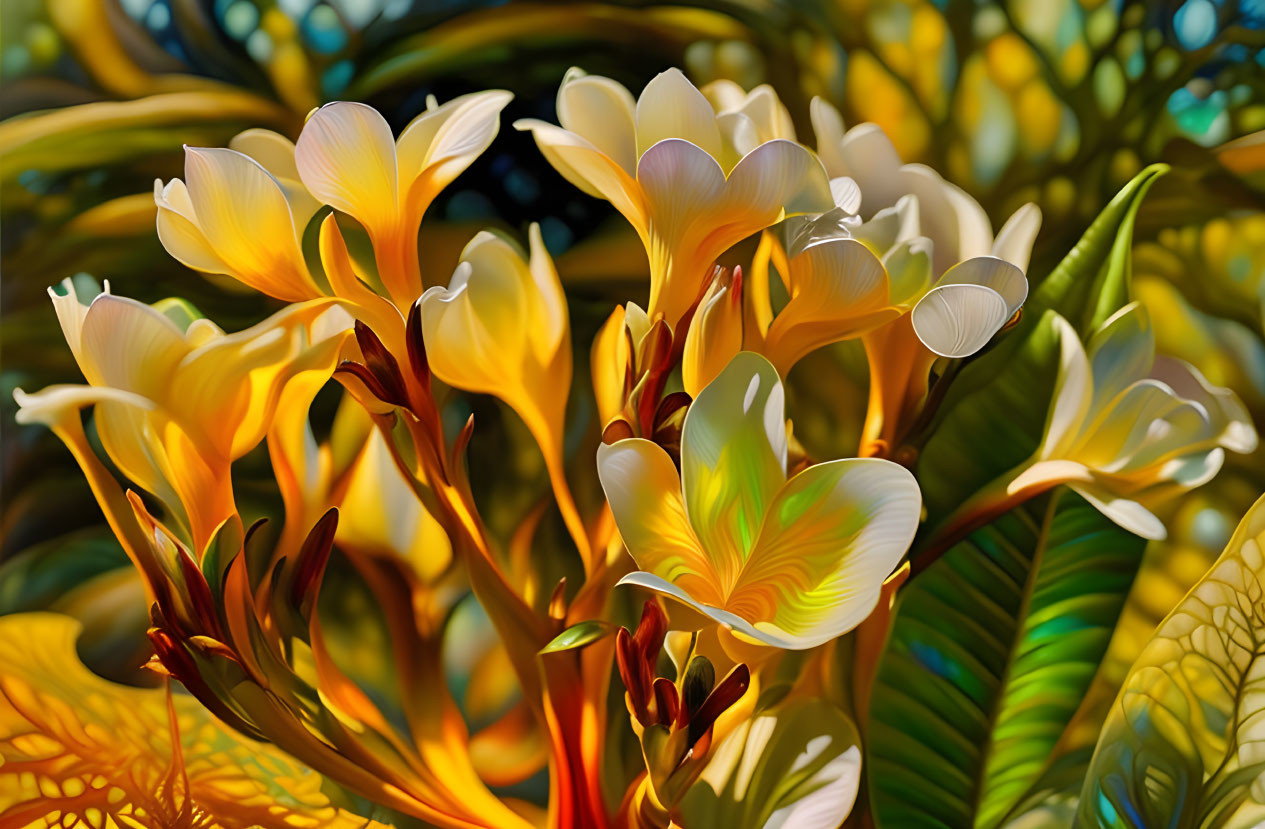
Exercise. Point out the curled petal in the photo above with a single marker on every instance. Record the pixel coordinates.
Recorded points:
(440, 144)
(1129, 514)
(1230, 419)
(958, 320)
(179, 232)
(245, 217)
(50, 406)
(839, 290)
(588, 168)
(649, 581)
(714, 337)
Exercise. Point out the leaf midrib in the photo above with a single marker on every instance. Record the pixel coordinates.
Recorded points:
(1021, 614)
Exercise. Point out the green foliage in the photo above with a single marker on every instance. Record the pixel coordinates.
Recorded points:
(992, 650)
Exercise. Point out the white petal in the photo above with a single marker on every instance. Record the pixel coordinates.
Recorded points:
(958, 320)
(846, 194)
(1130, 515)
(52, 404)
(991, 272)
(975, 231)
(1014, 240)
(1229, 416)
(870, 157)
(828, 128)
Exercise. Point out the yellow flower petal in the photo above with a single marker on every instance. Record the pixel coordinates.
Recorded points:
(179, 232)
(672, 107)
(440, 144)
(129, 345)
(245, 217)
(346, 157)
(644, 491)
(715, 336)
(839, 290)
(588, 168)
(834, 532)
(602, 112)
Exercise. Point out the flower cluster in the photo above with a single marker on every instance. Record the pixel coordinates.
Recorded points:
(767, 573)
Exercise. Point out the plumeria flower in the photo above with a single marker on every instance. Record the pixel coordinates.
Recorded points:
(501, 328)
(615, 361)
(788, 563)
(177, 399)
(1128, 429)
(976, 281)
(243, 211)
(692, 182)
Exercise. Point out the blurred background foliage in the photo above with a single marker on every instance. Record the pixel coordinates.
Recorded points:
(1055, 101)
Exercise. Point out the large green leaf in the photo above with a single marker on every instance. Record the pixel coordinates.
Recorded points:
(1184, 745)
(798, 766)
(991, 652)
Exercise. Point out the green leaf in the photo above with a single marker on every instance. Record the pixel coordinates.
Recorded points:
(1182, 745)
(579, 635)
(991, 651)
(798, 766)
(1092, 281)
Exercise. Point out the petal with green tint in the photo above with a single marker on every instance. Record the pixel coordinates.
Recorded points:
(1120, 351)
(733, 460)
(832, 535)
(644, 492)
(798, 766)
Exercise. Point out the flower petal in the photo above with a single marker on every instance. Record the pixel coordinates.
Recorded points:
(346, 158)
(179, 232)
(958, 320)
(1130, 515)
(440, 144)
(829, 131)
(644, 491)
(672, 107)
(834, 532)
(1073, 393)
(1014, 240)
(733, 459)
(991, 272)
(1121, 351)
(975, 231)
(50, 405)
(839, 290)
(589, 169)
(131, 346)
(714, 337)
(602, 112)
(1229, 417)
(649, 581)
(245, 216)
(870, 158)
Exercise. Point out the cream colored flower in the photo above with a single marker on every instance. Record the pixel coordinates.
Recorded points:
(1128, 429)
(788, 562)
(692, 182)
